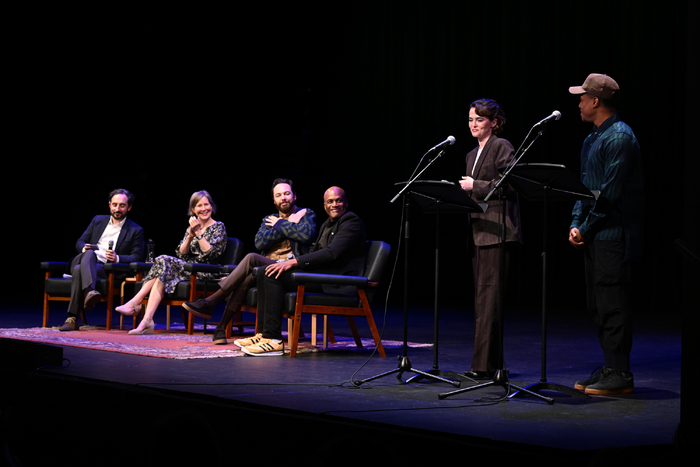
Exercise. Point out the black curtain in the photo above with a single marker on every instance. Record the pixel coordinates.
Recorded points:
(166, 100)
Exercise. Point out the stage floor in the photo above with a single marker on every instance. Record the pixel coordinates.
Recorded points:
(317, 389)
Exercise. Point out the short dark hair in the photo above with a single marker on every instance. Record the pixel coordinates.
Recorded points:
(122, 191)
(610, 103)
(281, 180)
(490, 109)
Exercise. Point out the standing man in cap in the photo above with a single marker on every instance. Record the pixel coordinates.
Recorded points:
(609, 230)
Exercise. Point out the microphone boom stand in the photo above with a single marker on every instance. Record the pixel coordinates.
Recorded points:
(404, 362)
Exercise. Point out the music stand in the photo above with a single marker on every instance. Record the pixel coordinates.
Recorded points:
(440, 197)
(437, 197)
(545, 182)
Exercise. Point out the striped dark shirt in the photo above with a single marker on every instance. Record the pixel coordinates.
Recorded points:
(611, 163)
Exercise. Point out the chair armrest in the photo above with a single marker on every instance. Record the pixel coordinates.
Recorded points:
(54, 266)
(118, 267)
(140, 266)
(228, 268)
(203, 267)
(329, 279)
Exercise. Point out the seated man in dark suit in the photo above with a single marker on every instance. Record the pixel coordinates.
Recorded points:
(339, 249)
(109, 238)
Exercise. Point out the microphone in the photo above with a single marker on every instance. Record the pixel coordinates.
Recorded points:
(111, 244)
(556, 115)
(448, 142)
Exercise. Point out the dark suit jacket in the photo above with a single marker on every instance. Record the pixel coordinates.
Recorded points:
(130, 244)
(344, 255)
(485, 227)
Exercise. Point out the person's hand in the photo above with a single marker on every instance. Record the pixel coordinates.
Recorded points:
(195, 226)
(575, 238)
(270, 221)
(467, 183)
(275, 269)
(296, 217)
(111, 256)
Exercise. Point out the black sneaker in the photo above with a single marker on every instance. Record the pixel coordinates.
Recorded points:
(220, 337)
(595, 376)
(612, 382)
(200, 307)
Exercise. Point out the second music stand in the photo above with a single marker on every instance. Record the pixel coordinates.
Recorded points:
(546, 182)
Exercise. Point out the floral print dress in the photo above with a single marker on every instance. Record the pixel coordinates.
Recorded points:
(171, 270)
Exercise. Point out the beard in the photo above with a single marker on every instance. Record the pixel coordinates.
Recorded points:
(286, 209)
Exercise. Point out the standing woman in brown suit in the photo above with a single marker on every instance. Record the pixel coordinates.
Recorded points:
(486, 121)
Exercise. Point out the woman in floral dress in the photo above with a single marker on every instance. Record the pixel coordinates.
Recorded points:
(204, 242)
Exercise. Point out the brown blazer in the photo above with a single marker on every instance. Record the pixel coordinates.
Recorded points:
(485, 227)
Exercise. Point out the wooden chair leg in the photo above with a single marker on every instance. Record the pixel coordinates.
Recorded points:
(121, 302)
(110, 300)
(293, 333)
(325, 331)
(353, 329)
(331, 336)
(372, 325)
(314, 331)
(229, 330)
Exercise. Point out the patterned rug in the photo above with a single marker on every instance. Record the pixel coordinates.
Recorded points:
(168, 344)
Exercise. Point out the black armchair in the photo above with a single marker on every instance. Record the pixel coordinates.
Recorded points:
(300, 302)
(57, 286)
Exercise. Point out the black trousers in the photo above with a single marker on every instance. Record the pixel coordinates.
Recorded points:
(271, 301)
(85, 270)
(488, 327)
(236, 285)
(608, 290)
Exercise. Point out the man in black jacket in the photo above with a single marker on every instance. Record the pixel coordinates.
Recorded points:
(109, 238)
(339, 249)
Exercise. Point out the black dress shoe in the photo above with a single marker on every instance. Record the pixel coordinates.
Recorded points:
(199, 307)
(219, 337)
(91, 299)
(478, 375)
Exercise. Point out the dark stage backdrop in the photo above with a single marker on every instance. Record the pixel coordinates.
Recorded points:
(166, 100)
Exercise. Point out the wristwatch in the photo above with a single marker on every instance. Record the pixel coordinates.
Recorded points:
(290, 256)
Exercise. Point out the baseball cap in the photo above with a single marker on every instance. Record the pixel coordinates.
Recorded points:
(598, 85)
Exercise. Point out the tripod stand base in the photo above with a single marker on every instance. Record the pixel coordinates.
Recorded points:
(458, 377)
(552, 387)
(405, 366)
(499, 379)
